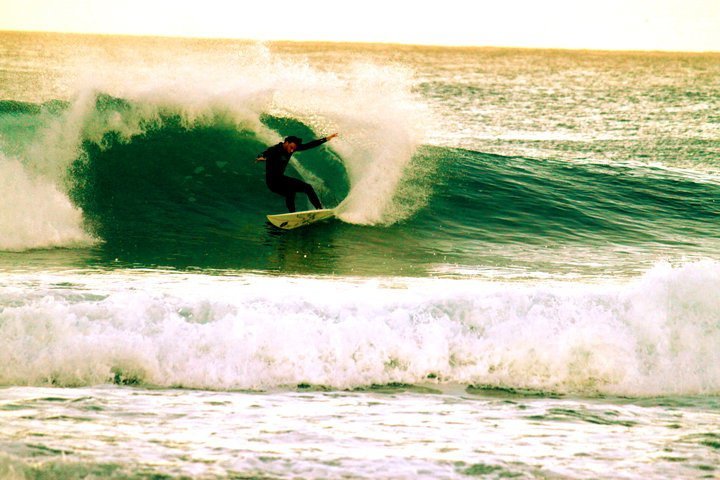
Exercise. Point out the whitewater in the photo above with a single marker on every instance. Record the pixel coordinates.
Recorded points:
(522, 282)
(654, 336)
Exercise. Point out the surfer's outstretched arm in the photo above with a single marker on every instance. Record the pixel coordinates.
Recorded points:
(263, 156)
(315, 143)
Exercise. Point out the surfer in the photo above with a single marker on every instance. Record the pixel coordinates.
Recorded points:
(276, 159)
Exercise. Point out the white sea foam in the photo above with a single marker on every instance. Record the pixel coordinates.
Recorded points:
(34, 213)
(655, 335)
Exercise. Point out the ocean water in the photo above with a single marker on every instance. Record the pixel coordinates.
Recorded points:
(523, 282)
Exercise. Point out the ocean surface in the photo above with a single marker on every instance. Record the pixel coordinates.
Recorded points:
(523, 282)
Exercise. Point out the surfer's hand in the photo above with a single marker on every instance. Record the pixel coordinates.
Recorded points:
(330, 137)
(260, 159)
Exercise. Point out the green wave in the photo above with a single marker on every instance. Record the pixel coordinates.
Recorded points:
(182, 193)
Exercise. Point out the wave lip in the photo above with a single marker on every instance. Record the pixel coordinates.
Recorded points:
(654, 336)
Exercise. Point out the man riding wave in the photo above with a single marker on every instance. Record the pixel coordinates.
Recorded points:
(276, 159)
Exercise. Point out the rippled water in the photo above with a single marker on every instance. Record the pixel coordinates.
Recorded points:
(386, 432)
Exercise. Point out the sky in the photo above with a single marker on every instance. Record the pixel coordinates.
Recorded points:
(676, 25)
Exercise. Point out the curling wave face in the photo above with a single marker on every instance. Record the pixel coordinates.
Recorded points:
(134, 122)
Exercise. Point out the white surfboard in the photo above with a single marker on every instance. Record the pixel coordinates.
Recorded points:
(299, 219)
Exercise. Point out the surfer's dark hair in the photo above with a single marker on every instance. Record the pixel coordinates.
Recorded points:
(293, 139)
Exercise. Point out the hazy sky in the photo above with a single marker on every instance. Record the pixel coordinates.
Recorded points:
(691, 25)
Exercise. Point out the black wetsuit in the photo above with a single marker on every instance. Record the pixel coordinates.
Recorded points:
(276, 160)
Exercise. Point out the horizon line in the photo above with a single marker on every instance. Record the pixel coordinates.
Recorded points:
(360, 42)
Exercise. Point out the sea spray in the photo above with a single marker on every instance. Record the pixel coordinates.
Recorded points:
(34, 213)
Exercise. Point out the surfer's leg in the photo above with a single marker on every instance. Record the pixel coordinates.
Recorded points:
(300, 186)
(284, 186)
(290, 200)
(310, 192)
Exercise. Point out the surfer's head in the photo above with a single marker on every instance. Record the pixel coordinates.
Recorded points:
(291, 143)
